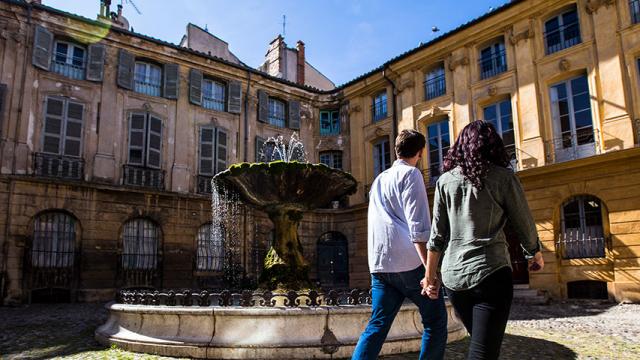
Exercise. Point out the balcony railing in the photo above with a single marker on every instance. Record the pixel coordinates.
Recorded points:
(435, 87)
(563, 37)
(584, 143)
(213, 104)
(68, 70)
(204, 184)
(634, 8)
(147, 88)
(278, 120)
(143, 177)
(378, 111)
(58, 166)
(493, 65)
(577, 244)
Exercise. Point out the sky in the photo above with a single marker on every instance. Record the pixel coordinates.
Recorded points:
(343, 38)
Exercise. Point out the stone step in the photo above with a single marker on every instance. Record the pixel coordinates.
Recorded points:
(523, 294)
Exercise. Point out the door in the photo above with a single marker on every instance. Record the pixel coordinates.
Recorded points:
(333, 261)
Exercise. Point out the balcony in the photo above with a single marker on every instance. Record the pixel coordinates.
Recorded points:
(147, 88)
(68, 70)
(58, 166)
(435, 87)
(378, 111)
(577, 244)
(204, 184)
(143, 177)
(213, 104)
(584, 143)
(563, 37)
(493, 65)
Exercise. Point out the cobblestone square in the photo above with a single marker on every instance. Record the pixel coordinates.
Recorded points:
(562, 330)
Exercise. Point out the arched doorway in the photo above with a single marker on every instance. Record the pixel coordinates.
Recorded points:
(333, 260)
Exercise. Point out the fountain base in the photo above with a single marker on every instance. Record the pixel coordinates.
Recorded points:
(322, 332)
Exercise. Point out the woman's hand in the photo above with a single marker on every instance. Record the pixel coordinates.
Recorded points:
(536, 263)
(430, 287)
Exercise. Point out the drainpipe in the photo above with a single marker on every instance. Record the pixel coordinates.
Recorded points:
(394, 116)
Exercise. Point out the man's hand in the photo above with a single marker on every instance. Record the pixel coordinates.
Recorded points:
(430, 287)
(536, 263)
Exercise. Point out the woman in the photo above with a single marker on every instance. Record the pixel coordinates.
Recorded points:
(474, 198)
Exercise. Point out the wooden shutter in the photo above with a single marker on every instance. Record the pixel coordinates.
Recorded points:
(53, 125)
(137, 131)
(154, 148)
(42, 48)
(263, 106)
(195, 86)
(207, 136)
(73, 129)
(3, 96)
(221, 150)
(126, 65)
(95, 62)
(259, 145)
(235, 97)
(294, 114)
(171, 76)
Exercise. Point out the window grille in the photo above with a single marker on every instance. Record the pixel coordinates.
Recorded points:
(435, 83)
(210, 251)
(54, 238)
(493, 60)
(69, 60)
(379, 107)
(562, 31)
(140, 245)
(213, 95)
(277, 113)
(582, 233)
(148, 79)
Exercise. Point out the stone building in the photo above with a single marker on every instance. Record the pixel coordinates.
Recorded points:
(108, 139)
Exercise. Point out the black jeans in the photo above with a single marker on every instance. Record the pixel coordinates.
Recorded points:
(484, 311)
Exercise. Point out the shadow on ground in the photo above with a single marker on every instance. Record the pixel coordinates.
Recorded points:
(563, 309)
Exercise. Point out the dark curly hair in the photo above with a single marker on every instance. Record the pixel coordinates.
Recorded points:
(477, 147)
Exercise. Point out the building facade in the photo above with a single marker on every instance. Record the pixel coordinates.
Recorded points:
(109, 140)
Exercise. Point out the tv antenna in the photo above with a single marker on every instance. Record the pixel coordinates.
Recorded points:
(284, 25)
(122, 2)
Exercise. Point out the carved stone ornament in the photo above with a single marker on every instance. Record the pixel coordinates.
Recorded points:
(514, 38)
(564, 65)
(66, 90)
(592, 6)
(405, 84)
(492, 90)
(380, 132)
(146, 106)
(455, 62)
(354, 109)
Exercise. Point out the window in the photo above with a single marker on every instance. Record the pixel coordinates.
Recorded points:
(438, 145)
(213, 95)
(140, 245)
(634, 8)
(381, 156)
(493, 60)
(54, 239)
(499, 115)
(562, 31)
(572, 122)
(277, 112)
(213, 156)
(69, 60)
(329, 122)
(145, 151)
(210, 250)
(148, 78)
(582, 232)
(332, 159)
(435, 83)
(379, 107)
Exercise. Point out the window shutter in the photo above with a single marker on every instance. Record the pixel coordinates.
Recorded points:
(126, 63)
(259, 145)
(95, 62)
(263, 106)
(195, 86)
(171, 76)
(221, 150)
(3, 96)
(42, 46)
(154, 148)
(235, 97)
(53, 125)
(137, 130)
(73, 129)
(294, 114)
(206, 151)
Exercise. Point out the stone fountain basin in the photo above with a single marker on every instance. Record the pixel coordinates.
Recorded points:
(322, 332)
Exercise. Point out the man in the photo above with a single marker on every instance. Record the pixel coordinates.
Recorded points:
(398, 229)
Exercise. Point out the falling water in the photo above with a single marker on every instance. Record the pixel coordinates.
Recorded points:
(225, 208)
(276, 148)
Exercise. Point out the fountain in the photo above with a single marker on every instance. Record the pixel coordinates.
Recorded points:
(286, 317)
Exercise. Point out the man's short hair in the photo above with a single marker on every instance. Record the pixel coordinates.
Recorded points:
(409, 143)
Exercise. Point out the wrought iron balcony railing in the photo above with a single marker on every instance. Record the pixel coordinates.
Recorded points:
(583, 143)
(58, 166)
(378, 111)
(435, 87)
(147, 88)
(213, 104)
(143, 177)
(577, 244)
(68, 70)
(563, 37)
(493, 65)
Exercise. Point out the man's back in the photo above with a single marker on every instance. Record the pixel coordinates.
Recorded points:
(398, 217)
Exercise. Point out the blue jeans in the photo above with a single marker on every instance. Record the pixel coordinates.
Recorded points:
(388, 292)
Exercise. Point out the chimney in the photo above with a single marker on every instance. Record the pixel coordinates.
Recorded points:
(301, 63)
(119, 11)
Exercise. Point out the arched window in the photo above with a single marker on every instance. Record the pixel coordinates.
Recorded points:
(54, 238)
(209, 249)
(140, 245)
(582, 232)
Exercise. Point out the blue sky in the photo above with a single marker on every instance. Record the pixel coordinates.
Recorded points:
(344, 38)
